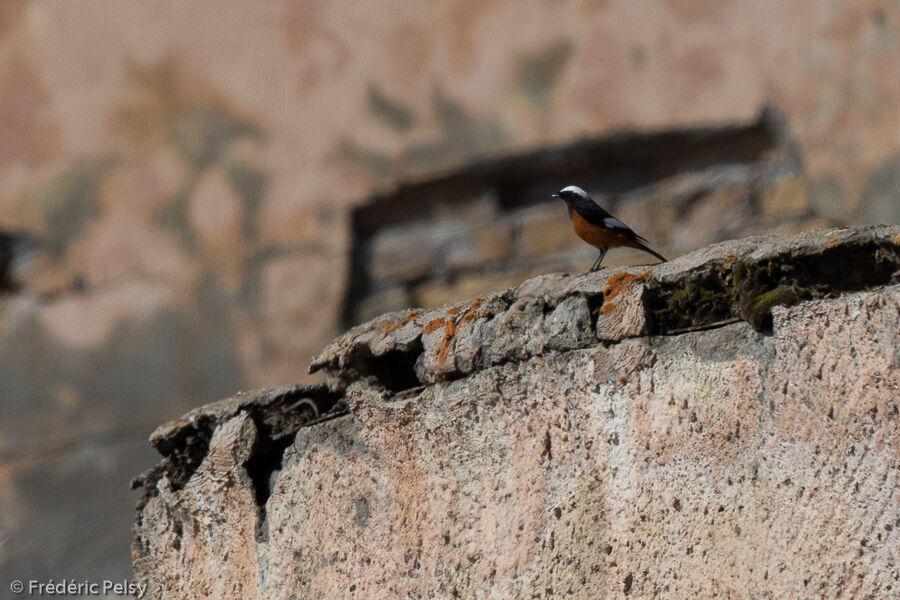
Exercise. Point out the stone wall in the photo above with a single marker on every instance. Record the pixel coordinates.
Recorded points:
(187, 192)
(723, 425)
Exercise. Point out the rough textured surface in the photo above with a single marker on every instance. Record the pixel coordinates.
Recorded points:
(738, 279)
(186, 175)
(737, 461)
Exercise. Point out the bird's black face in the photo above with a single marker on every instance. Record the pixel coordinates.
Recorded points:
(564, 196)
(572, 194)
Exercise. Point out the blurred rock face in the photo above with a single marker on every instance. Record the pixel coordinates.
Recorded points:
(202, 198)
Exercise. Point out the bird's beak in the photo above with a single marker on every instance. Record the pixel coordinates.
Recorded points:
(555, 196)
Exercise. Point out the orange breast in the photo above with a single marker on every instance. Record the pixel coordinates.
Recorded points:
(599, 237)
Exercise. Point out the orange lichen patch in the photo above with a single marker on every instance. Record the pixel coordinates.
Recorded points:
(832, 243)
(433, 326)
(471, 316)
(896, 240)
(607, 308)
(730, 257)
(444, 351)
(621, 282)
(392, 325)
(451, 326)
(622, 381)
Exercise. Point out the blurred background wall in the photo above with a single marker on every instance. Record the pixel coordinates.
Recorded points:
(196, 196)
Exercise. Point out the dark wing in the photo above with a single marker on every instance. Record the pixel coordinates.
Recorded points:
(595, 215)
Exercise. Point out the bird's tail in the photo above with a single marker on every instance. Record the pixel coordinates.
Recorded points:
(641, 244)
(655, 253)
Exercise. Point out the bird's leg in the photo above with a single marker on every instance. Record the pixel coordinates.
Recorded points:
(599, 260)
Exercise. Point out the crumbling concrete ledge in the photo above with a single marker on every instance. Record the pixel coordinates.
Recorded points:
(726, 424)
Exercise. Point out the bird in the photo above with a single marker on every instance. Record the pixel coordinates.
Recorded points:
(599, 228)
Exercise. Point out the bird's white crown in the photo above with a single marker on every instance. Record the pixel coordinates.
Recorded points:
(575, 190)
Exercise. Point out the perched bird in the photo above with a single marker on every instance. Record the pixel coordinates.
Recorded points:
(599, 228)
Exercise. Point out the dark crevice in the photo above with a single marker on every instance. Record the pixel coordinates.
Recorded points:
(703, 299)
(595, 303)
(724, 290)
(298, 407)
(277, 419)
(277, 424)
(265, 459)
(394, 370)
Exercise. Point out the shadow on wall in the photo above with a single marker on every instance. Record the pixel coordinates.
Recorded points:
(462, 135)
(15, 249)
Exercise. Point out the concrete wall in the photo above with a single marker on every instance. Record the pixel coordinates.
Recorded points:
(531, 448)
(187, 191)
